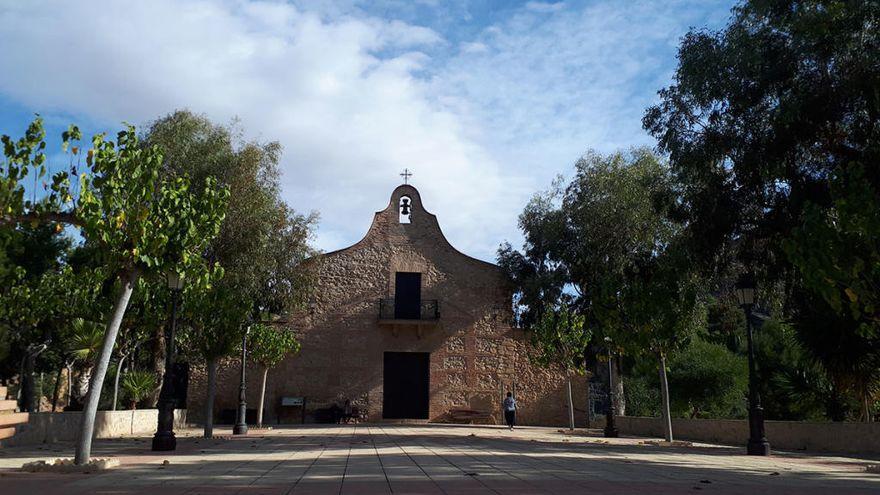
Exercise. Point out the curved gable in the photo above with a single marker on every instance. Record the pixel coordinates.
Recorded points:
(422, 231)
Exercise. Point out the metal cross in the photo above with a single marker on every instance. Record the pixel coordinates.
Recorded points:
(406, 175)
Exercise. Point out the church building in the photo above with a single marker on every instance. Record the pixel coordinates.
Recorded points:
(406, 328)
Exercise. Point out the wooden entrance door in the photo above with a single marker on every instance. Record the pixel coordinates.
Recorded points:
(405, 385)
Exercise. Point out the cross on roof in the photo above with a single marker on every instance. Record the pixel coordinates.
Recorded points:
(406, 175)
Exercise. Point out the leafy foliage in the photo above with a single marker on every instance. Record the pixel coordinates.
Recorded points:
(561, 338)
(707, 380)
(258, 225)
(137, 385)
(143, 222)
(771, 125)
(269, 345)
(611, 238)
(85, 339)
(213, 322)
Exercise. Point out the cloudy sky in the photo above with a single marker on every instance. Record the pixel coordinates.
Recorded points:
(484, 101)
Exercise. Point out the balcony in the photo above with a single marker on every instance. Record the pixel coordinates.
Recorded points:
(394, 313)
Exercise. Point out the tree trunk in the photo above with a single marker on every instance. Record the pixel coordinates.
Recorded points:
(56, 391)
(664, 399)
(570, 405)
(82, 384)
(262, 398)
(209, 402)
(158, 350)
(619, 397)
(69, 367)
(29, 398)
(116, 380)
(87, 427)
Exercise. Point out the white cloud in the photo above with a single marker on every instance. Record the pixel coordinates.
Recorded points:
(544, 89)
(545, 7)
(349, 120)
(354, 98)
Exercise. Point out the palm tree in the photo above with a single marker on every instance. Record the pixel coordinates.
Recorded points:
(83, 345)
(137, 386)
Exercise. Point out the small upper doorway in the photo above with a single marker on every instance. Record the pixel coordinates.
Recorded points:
(407, 295)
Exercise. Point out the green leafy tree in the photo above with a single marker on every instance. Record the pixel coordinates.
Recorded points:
(629, 258)
(708, 380)
(771, 126)
(145, 223)
(214, 325)
(614, 238)
(261, 244)
(561, 338)
(269, 345)
(30, 261)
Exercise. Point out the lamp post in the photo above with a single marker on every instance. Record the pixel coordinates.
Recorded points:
(610, 428)
(758, 444)
(241, 427)
(164, 438)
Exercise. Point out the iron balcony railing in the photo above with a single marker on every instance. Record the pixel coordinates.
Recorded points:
(429, 309)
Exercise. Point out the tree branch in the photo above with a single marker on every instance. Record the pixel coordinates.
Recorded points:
(46, 217)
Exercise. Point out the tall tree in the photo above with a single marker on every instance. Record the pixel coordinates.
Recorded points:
(629, 255)
(145, 223)
(771, 124)
(262, 241)
(613, 238)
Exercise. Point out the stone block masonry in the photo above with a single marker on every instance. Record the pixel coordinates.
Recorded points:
(474, 354)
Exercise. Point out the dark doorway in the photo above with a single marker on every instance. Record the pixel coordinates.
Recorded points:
(406, 382)
(407, 295)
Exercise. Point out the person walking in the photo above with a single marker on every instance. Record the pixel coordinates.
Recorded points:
(510, 410)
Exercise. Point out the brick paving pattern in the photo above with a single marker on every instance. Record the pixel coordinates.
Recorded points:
(433, 459)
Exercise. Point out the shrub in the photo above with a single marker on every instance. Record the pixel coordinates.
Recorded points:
(137, 385)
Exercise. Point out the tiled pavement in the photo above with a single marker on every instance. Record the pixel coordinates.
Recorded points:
(432, 459)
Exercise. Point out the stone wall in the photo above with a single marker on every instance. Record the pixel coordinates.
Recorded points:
(475, 355)
(782, 435)
(47, 427)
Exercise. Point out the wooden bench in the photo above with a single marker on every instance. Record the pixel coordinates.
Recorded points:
(8, 417)
(463, 415)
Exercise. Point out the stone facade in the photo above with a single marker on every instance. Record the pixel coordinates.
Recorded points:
(475, 354)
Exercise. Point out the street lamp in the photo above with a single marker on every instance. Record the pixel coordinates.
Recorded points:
(240, 427)
(164, 438)
(758, 444)
(610, 429)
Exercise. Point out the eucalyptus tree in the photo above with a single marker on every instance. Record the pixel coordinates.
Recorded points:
(629, 257)
(612, 238)
(269, 345)
(144, 222)
(261, 244)
(771, 125)
(258, 225)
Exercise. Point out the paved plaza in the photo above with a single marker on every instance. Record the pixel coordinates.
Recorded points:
(432, 459)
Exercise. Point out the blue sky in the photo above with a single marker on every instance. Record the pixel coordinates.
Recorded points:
(485, 101)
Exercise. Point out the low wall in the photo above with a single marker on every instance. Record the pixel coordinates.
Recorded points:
(783, 435)
(47, 427)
